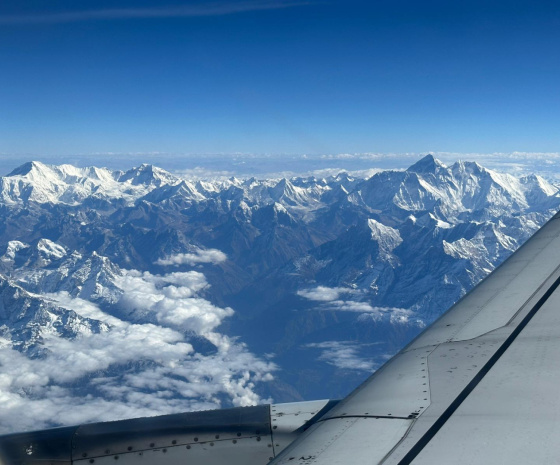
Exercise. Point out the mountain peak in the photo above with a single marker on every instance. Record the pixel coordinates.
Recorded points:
(27, 168)
(471, 167)
(148, 174)
(427, 164)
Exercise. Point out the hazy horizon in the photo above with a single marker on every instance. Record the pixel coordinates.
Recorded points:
(205, 166)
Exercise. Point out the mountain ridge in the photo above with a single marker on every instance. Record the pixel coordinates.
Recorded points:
(267, 283)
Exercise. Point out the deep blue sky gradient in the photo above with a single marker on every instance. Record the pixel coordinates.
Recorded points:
(318, 77)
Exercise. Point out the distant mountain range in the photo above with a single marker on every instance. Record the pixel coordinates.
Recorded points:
(140, 292)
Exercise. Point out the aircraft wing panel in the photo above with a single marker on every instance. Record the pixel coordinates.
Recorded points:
(511, 416)
(236, 436)
(341, 441)
(427, 382)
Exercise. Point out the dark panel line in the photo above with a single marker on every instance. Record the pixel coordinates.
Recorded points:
(385, 417)
(428, 436)
(327, 408)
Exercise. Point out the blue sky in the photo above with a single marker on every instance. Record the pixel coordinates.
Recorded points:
(272, 76)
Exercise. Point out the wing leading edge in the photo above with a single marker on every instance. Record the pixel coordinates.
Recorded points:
(478, 386)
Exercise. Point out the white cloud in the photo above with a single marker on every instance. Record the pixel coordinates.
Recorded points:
(170, 300)
(394, 315)
(213, 256)
(200, 173)
(350, 306)
(324, 294)
(343, 355)
(368, 312)
(141, 364)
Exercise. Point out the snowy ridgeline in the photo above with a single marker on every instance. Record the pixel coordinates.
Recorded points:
(139, 293)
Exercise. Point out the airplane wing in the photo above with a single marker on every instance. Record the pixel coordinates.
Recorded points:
(480, 385)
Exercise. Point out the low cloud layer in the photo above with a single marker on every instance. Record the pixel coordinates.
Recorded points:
(213, 256)
(171, 300)
(143, 363)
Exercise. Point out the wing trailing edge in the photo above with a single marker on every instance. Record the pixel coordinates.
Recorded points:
(237, 436)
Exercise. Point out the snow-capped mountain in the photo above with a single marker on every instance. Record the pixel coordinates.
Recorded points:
(26, 319)
(328, 276)
(90, 277)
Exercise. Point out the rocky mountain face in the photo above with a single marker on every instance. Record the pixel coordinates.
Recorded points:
(209, 293)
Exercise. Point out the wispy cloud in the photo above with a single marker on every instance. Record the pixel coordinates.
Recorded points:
(213, 256)
(324, 294)
(186, 11)
(344, 355)
(367, 312)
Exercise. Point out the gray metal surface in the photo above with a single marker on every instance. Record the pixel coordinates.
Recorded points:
(291, 419)
(242, 451)
(512, 414)
(120, 437)
(41, 447)
(403, 390)
(346, 441)
(427, 382)
(238, 436)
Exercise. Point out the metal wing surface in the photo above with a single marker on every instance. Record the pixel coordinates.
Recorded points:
(480, 385)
